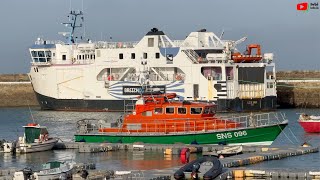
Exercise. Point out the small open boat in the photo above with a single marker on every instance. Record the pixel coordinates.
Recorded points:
(161, 120)
(36, 138)
(230, 151)
(310, 123)
(49, 171)
(55, 170)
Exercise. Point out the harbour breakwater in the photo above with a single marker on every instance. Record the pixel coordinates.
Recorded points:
(295, 89)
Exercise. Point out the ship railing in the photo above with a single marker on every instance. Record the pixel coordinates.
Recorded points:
(168, 77)
(184, 125)
(48, 63)
(179, 43)
(152, 77)
(187, 125)
(42, 42)
(115, 45)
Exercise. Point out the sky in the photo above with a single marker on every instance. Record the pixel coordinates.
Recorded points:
(293, 36)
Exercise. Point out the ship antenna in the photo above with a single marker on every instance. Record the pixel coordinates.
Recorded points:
(72, 25)
(222, 33)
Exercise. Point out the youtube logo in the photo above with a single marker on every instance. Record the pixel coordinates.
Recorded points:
(302, 6)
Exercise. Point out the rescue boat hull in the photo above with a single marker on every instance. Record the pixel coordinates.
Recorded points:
(264, 135)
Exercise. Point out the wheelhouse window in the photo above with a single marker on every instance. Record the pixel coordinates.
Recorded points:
(213, 110)
(145, 55)
(64, 57)
(206, 110)
(158, 111)
(182, 110)
(196, 110)
(48, 55)
(41, 56)
(170, 110)
(147, 113)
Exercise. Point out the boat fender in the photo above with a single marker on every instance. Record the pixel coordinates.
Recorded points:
(185, 155)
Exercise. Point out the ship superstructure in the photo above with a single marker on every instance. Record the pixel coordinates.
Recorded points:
(100, 76)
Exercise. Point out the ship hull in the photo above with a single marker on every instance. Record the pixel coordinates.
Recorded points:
(249, 136)
(224, 105)
(310, 126)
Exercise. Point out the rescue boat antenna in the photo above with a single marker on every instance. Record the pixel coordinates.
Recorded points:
(73, 24)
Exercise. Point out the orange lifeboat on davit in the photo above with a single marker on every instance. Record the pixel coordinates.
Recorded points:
(247, 57)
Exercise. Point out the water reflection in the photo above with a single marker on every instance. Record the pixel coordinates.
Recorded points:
(63, 125)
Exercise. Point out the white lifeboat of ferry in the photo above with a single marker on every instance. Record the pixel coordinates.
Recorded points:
(247, 57)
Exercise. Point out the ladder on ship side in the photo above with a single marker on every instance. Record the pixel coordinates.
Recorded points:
(192, 55)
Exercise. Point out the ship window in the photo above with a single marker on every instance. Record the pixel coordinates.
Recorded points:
(196, 110)
(146, 113)
(91, 56)
(158, 111)
(83, 57)
(169, 110)
(213, 110)
(41, 53)
(34, 53)
(64, 57)
(41, 56)
(150, 42)
(157, 55)
(206, 110)
(121, 56)
(182, 110)
(229, 73)
(270, 85)
(80, 57)
(48, 54)
(53, 54)
(133, 55)
(145, 55)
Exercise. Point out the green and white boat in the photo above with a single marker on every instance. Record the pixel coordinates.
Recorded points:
(258, 129)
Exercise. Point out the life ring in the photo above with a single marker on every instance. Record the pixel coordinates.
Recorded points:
(178, 77)
(110, 78)
(116, 76)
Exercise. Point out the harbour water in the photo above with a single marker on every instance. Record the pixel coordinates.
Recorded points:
(63, 125)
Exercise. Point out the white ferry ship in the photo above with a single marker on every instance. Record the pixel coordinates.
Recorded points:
(101, 76)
